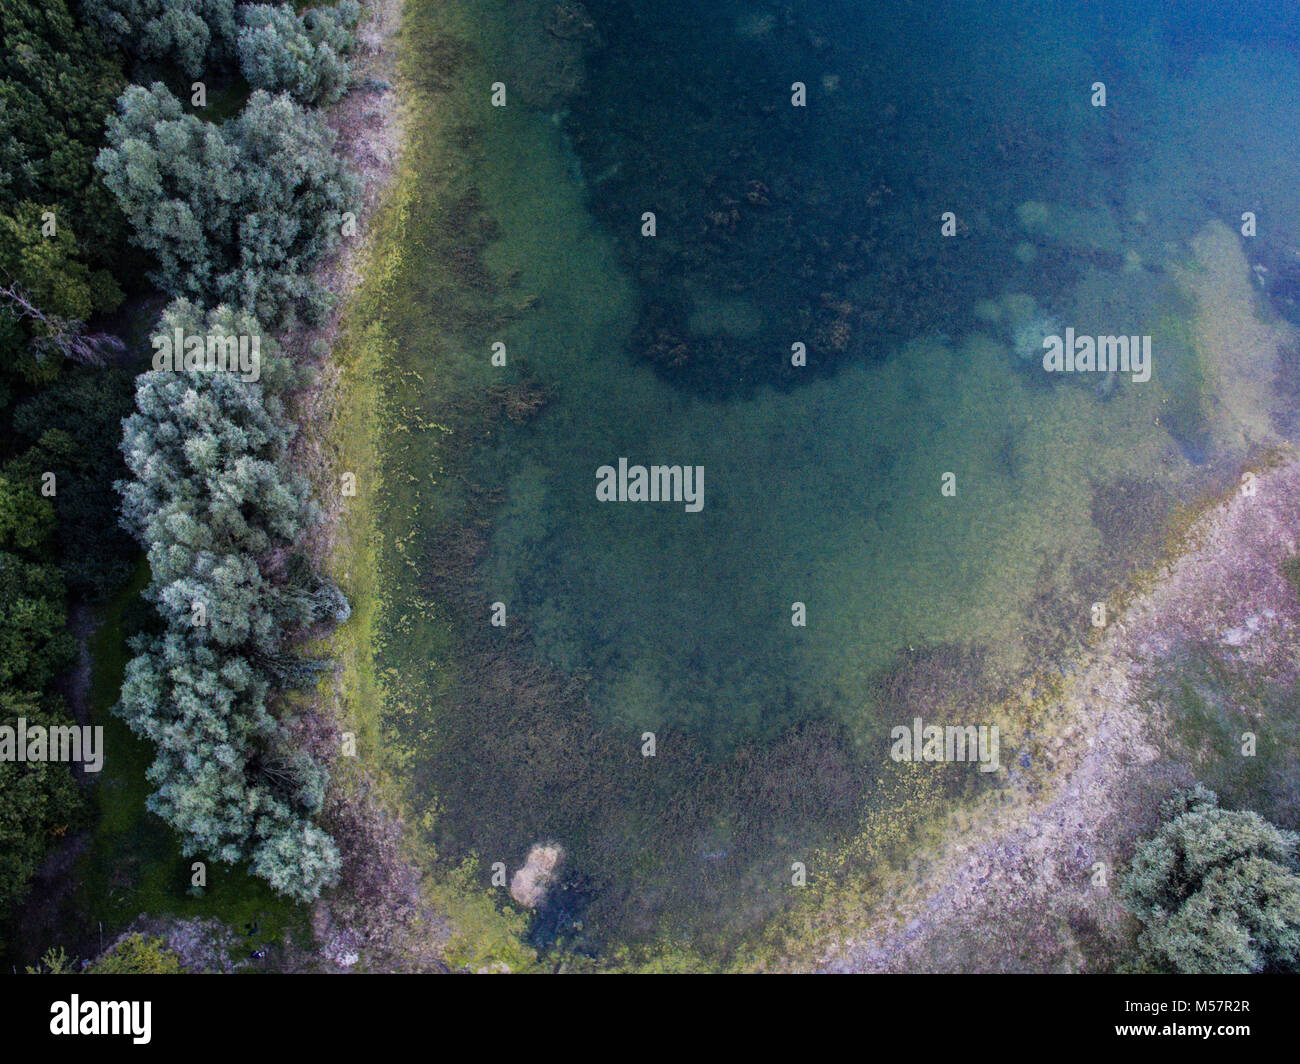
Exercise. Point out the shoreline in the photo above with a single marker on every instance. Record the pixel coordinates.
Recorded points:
(1019, 887)
(392, 911)
(338, 417)
(977, 870)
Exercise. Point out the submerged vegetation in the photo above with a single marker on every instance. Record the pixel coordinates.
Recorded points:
(384, 647)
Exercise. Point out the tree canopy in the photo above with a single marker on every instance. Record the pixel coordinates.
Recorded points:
(215, 504)
(303, 55)
(195, 35)
(237, 213)
(1217, 891)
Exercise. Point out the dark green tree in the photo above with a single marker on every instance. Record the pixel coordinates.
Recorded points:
(60, 228)
(57, 85)
(73, 429)
(38, 800)
(195, 35)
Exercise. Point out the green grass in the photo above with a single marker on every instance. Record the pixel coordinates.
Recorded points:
(1213, 702)
(133, 864)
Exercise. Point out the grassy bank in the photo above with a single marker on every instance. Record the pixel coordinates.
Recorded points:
(403, 315)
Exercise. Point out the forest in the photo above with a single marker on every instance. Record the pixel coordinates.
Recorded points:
(165, 165)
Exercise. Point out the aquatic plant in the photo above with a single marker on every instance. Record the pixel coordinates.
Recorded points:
(1028, 335)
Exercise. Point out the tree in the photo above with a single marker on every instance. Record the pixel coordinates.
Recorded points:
(1217, 891)
(34, 645)
(26, 519)
(56, 86)
(195, 35)
(236, 214)
(72, 428)
(215, 503)
(206, 712)
(38, 800)
(302, 55)
(60, 228)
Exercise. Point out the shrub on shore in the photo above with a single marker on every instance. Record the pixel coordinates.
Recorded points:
(1217, 891)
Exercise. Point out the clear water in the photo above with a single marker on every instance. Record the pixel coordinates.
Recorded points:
(823, 484)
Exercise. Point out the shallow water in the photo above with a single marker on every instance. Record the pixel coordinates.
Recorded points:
(823, 484)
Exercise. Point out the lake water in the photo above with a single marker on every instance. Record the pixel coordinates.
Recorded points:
(955, 183)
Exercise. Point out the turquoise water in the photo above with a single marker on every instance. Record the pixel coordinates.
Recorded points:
(824, 483)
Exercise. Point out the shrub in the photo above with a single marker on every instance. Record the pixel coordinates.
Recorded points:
(137, 955)
(302, 55)
(1217, 891)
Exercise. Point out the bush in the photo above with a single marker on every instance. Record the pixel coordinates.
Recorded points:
(137, 955)
(1291, 572)
(281, 51)
(1217, 891)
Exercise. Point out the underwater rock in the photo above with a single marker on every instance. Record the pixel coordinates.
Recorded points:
(1237, 348)
(752, 25)
(1033, 216)
(531, 883)
(1028, 334)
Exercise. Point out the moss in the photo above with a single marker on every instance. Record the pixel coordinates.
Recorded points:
(1291, 572)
